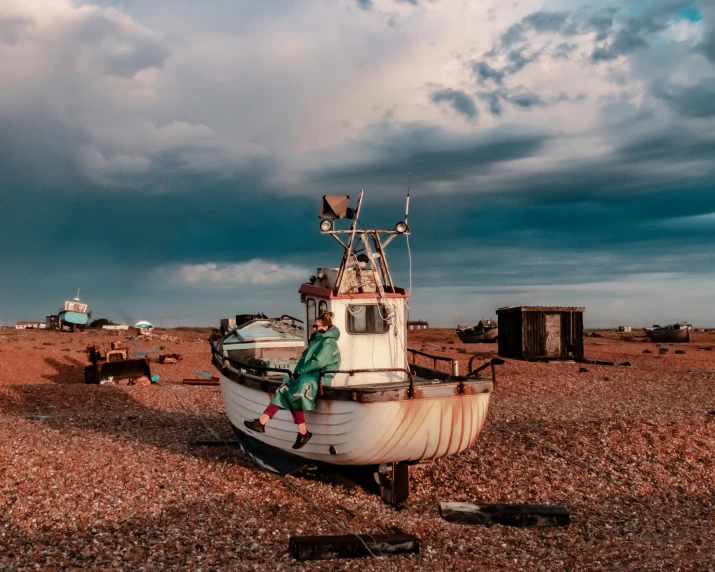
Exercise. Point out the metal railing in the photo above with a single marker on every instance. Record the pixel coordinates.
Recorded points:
(351, 372)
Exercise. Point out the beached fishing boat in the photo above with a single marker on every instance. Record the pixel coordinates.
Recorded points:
(74, 314)
(672, 333)
(380, 410)
(486, 331)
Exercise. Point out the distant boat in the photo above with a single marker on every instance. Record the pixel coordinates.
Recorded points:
(485, 332)
(74, 314)
(672, 333)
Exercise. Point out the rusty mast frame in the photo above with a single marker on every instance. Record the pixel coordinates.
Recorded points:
(375, 254)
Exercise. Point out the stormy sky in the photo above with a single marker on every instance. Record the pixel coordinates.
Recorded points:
(168, 158)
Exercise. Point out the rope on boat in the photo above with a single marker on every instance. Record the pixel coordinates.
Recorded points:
(330, 518)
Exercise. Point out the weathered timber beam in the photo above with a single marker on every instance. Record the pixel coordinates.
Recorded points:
(521, 515)
(352, 546)
(200, 381)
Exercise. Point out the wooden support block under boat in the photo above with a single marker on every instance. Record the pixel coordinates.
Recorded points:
(352, 546)
(521, 515)
(201, 381)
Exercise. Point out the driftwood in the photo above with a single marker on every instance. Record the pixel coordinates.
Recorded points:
(521, 515)
(352, 546)
(200, 381)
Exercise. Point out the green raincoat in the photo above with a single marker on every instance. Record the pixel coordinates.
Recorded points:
(322, 353)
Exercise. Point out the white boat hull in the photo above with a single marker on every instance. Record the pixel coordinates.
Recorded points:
(360, 433)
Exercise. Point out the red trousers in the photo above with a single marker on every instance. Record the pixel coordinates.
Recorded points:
(298, 416)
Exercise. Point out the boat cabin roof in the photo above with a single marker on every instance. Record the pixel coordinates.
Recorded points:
(265, 330)
(327, 293)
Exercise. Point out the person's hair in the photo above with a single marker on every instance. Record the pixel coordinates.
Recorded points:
(326, 318)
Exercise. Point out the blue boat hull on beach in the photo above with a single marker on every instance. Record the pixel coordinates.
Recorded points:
(73, 318)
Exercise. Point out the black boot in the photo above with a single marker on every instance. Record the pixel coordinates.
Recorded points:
(255, 425)
(302, 439)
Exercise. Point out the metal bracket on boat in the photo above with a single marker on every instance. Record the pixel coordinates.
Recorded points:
(351, 372)
(492, 362)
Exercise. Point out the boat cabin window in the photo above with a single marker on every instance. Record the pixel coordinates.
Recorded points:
(310, 306)
(366, 319)
(322, 307)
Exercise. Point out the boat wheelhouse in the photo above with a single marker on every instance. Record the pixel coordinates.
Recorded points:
(380, 410)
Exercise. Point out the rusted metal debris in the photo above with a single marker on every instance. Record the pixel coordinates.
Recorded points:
(115, 364)
(170, 358)
(352, 546)
(520, 515)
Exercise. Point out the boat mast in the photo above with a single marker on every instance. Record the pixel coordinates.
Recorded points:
(375, 253)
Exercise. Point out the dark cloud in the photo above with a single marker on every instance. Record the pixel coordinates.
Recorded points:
(564, 50)
(602, 24)
(518, 60)
(513, 35)
(708, 45)
(674, 145)
(696, 100)
(495, 107)
(365, 4)
(624, 42)
(518, 97)
(544, 21)
(123, 50)
(526, 99)
(458, 100)
(486, 72)
(430, 153)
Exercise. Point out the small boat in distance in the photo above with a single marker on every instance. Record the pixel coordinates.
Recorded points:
(485, 332)
(73, 314)
(672, 333)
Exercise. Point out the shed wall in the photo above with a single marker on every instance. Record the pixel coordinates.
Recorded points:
(533, 334)
(510, 331)
(541, 334)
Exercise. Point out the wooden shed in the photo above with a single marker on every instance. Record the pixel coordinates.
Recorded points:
(541, 332)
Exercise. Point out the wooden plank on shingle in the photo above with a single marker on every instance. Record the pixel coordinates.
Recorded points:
(352, 546)
(520, 515)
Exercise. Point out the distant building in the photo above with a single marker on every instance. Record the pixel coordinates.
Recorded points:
(541, 332)
(115, 327)
(27, 325)
(417, 325)
(624, 328)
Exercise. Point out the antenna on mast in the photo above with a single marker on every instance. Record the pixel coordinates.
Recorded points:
(77, 297)
(407, 206)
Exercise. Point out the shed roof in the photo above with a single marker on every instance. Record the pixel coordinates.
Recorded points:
(510, 309)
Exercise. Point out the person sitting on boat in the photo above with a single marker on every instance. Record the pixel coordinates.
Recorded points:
(299, 393)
